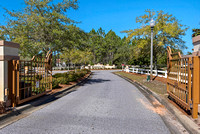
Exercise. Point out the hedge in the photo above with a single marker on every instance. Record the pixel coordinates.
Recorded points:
(65, 78)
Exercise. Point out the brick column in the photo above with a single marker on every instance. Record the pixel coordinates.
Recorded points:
(8, 51)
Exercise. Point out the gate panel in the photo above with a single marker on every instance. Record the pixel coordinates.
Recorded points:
(31, 79)
(179, 79)
(183, 80)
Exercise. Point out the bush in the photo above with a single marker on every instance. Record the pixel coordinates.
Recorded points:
(65, 74)
(55, 83)
(71, 72)
(65, 78)
(78, 70)
(78, 74)
(86, 70)
(72, 77)
(82, 74)
(57, 75)
(62, 80)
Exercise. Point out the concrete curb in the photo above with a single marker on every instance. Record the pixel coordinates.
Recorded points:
(183, 119)
(41, 100)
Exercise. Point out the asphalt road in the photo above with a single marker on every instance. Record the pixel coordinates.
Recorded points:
(106, 104)
(63, 71)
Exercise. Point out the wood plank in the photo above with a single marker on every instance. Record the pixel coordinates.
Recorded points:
(179, 100)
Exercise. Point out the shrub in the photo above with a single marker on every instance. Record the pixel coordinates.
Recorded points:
(55, 83)
(65, 74)
(72, 77)
(62, 80)
(65, 78)
(86, 70)
(78, 70)
(71, 72)
(57, 75)
(82, 74)
(78, 74)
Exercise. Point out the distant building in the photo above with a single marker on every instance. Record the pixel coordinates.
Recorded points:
(100, 66)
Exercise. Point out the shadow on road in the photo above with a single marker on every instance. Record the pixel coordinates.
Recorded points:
(93, 81)
(48, 98)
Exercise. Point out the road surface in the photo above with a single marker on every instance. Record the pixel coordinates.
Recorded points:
(62, 71)
(106, 104)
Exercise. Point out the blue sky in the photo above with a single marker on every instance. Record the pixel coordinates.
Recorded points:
(120, 15)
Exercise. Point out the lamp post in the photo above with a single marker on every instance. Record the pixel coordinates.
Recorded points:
(152, 24)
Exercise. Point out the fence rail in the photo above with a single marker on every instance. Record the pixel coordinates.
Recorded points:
(159, 73)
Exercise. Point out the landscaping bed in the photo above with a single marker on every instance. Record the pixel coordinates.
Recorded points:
(64, 80)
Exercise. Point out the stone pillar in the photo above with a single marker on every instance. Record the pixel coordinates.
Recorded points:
(196, 44)
(8, 51)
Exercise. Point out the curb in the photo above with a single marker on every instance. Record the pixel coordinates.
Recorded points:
(41, 100)
(189, 125)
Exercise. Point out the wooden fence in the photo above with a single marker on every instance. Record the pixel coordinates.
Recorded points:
(159, 73)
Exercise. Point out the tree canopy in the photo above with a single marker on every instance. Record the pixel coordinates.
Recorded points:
(40, 26)
(44, 24)
(168, 31)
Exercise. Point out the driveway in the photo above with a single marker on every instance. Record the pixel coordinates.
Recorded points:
(106, 104)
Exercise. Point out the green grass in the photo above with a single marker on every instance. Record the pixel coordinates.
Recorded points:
(156, 86)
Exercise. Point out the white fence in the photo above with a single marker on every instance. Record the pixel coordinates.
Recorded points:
(158, 73)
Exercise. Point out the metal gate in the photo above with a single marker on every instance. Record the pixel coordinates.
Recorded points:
(30, 79)
(183, 80)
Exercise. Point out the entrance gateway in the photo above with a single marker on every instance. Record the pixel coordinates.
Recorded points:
(22, 80)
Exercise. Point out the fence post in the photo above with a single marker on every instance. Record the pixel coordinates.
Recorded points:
(189, 80)
(13, 83)
(156, 72)
(195, 87)
(165, 74)
(17, 81)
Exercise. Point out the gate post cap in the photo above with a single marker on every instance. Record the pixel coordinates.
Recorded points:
(9, 44)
